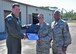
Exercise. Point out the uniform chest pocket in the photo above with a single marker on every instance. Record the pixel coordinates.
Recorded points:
(43, 31)
(57, 29)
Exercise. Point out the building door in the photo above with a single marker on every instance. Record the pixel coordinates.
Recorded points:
(35, 18)
(6, 13)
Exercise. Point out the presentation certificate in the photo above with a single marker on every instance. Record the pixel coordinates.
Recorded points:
(32, 36)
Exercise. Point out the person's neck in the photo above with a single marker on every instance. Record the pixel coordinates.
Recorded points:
(41, 23)
(56, 20)
(15, 15)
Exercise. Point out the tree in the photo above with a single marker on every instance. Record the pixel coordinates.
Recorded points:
(69, 14)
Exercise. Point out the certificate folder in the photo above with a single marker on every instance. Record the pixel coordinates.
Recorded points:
(32, 36)
(32, 32)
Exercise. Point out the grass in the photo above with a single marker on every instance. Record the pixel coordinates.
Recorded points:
(71, 21)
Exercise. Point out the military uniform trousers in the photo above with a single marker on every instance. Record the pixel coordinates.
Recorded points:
(41, 49)
(13, 45)
(57, 50)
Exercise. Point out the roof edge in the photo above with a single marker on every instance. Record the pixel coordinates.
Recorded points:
(26, 4)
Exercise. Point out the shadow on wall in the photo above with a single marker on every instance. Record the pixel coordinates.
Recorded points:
(3, 35)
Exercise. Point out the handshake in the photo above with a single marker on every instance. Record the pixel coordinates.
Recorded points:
(24, 36)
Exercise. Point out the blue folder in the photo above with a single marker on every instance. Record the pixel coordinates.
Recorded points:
(32, 32)
(32, 36)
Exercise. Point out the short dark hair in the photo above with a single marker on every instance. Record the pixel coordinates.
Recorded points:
(15, 4)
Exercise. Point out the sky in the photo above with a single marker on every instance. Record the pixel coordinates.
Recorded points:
(68, 5)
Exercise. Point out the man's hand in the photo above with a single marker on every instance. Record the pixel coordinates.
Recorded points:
(40, 41)
(24, 37)
(64, 49)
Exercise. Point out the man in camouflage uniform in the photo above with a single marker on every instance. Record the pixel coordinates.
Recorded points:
(61, 35)
(13, 29)
(43, 44)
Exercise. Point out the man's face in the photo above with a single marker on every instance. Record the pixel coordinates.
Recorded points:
(16, 11)
(57, 16)
(41, 20)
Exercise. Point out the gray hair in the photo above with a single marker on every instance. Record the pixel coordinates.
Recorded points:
(40, 16)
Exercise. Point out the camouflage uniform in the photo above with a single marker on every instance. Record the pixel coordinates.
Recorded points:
(13, 29)
(61, 36)
(45, 35)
